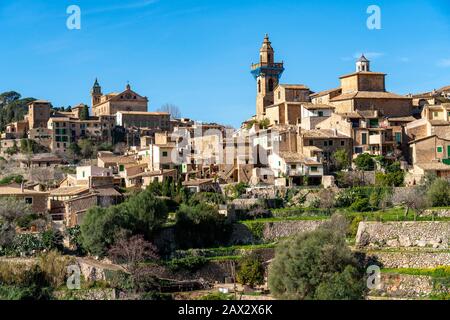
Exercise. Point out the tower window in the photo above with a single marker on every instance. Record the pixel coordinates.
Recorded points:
(269, 56)
(270, 85)
(259, 85)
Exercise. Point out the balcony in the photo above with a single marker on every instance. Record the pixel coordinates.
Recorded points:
(380, 139)
(272, 69)
(376, 139)
(267, 65)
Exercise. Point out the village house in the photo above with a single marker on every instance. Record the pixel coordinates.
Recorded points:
(41, 160)
(36, 199)
(294, 169)
(430, 141)
(322, 144)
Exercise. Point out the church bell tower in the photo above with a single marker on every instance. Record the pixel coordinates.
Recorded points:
(267, 74)
(96, 93)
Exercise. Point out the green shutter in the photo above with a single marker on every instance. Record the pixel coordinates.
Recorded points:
(364, 138)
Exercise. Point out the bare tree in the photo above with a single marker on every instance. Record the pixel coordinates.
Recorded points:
(327, 199)
(174, 111)
(44, 176)
(411, 199)
(120, 148)
(10, 210)
(131, 253)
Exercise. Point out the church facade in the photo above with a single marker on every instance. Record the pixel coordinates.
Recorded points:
(110, 104)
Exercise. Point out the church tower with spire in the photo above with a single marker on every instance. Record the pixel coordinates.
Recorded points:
(363, 64)
(267, 74)
(96, 93)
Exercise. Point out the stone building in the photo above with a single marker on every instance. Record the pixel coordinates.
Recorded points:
(67, 130)
(36, 199)
(430, 141)
(110, 104)
(288, 99)
(322, 144)
(158, 121)
(38, 114)
(366, 91)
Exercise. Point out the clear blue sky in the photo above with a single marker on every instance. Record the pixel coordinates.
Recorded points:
(196, 53)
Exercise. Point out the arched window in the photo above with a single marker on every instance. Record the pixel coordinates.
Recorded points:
(269, 57)
(259, 85)
(270, 85)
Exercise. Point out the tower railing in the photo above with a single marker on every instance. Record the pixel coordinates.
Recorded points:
(278, 65)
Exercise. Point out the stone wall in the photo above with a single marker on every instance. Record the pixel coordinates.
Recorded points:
(405, 258)
(404, 286)
(276, 230)
(439, 213)
(272, 231)
(404, 234)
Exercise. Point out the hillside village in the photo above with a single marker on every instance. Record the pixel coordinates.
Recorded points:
(209, 201)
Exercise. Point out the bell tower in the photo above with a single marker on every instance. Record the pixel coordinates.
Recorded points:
(363, 64)
(96, 93)
(267, 74)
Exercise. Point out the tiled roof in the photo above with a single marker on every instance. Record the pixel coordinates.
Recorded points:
(292, 156)
(69, 191)
(294, 86)
(433, 166)
(312, 106)
(323, 93)
(145, 113)
(362, 72)
(402, 119)
(13, 190)
(322, 133)
(368, 95)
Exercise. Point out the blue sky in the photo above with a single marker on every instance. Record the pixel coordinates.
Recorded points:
(196, 54)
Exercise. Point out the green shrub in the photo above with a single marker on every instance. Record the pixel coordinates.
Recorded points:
(364, 162)
(75, 240)
(251, 271)
(438, 193)
(361, 205)
(16, 178)
(190, 264)
(217, 296)
(257, 230)
(317, 265)
(25, 221)
(52, 240)
(353, 228)
(156, 296)
(200, 226)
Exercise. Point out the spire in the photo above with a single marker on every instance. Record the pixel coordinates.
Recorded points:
(96, 84)
(267, 45)
(128, 87)
(363, 58)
